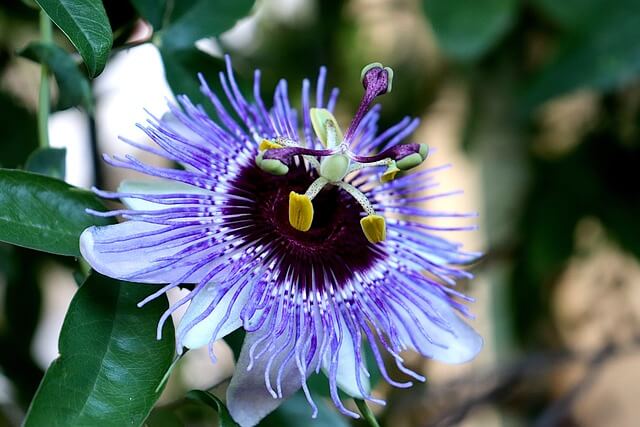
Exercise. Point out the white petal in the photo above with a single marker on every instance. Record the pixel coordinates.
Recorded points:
(247, 396)
(201, 333)
(347, 369)
(459, 345)
(108, 252)
(157, 186)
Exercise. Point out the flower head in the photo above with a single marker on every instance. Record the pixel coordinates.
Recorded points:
(305, 236)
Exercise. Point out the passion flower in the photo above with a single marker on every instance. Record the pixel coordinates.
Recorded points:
(312, 240)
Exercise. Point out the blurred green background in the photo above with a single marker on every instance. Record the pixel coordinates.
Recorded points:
(537, 105)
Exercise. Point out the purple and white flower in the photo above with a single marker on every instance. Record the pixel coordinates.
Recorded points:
(313, 240)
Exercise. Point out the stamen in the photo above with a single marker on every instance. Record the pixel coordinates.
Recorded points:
(315, 187)
(359, 196)
(390, 173)
(300, 206)
(374, 228)
(268, 145)
(300, 211)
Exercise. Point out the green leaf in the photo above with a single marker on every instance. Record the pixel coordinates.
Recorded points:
(21, 310)
(468, 29)
(110, 361)
(48, 161)
(85, 24)
(43, 213)
(603, 55)
(73, 86)
(164, 417)
(211, 400)
(571, 14)
(151, 10)
(193, 20)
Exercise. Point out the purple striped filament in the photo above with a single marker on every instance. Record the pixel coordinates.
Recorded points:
(310, 300)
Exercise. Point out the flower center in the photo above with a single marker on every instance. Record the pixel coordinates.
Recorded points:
(333, 241)
(333, 163)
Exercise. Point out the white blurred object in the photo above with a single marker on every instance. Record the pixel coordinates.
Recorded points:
(70, 129)
(58, 287)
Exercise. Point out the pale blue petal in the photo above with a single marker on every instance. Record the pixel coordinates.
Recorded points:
(347, 367)
(129, 251)
(248, 399)
(457, 343)
(225, 317)
(157, 186)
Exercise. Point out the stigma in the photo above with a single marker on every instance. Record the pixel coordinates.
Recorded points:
(335, 161)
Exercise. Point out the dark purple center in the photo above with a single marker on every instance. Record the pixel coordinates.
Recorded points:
(335, 243)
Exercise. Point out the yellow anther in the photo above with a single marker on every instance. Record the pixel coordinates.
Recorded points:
(390, 173)
(268, 145)
(374, 228)
(300, 211)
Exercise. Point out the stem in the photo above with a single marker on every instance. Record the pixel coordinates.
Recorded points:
(93, 147)
(366, 412)
(46, 35)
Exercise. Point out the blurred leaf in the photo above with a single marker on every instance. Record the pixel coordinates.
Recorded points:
(85, 24)
(163, 417)
(110, 361)
(190, 21)
(212, 401)
(73, 86)
(603, 55)
(79, 277)
(181, 70)
(570, 14)
(296, 411)
(193, 20)
(43, 213)
(598, 179)
(123, 18)
(468, 29)
(48, 161)
(151, 10)
(16, 142)
(21, 315)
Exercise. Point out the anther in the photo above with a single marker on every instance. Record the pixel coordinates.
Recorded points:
(268, 145)
(300, 211)
(374, 228)
(390, 173)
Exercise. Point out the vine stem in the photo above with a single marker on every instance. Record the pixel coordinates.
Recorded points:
(366, 413)
(44, 96)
